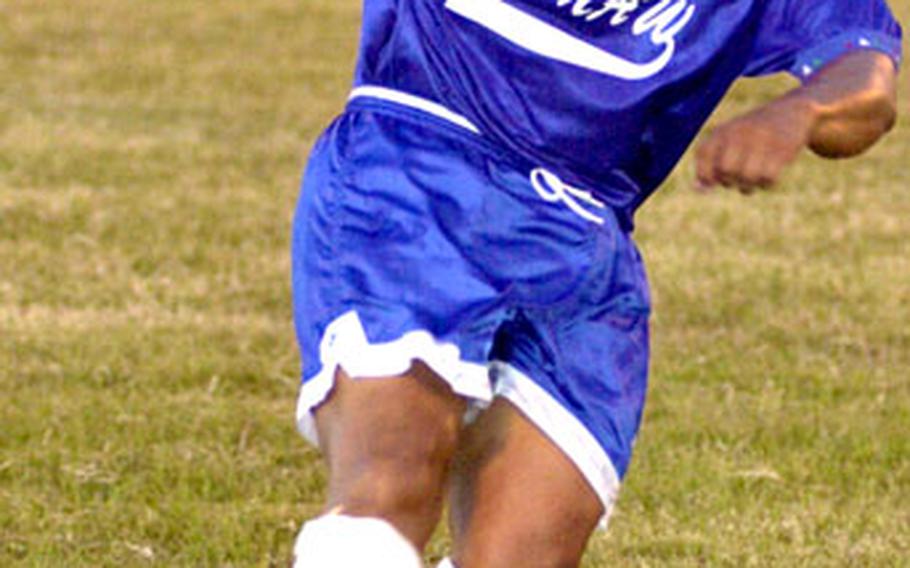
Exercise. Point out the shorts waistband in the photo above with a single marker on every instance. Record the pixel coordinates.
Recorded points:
(415, 102)
(548, 185)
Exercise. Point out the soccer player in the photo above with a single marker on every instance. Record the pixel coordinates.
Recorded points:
(471, 309)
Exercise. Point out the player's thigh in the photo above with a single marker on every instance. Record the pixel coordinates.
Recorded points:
(389, 443)
(516, 499)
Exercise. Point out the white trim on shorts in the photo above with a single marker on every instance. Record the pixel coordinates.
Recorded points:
(564, 429)
(345, 345)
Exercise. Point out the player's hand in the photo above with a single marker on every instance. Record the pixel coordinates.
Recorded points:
(750, 152)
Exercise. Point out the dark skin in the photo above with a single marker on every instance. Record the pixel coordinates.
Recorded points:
(840, 112)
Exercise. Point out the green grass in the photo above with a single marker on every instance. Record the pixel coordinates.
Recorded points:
(149, 160)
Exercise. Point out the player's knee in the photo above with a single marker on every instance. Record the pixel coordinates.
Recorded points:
(528, 552)
(524, 542)
(393, 489)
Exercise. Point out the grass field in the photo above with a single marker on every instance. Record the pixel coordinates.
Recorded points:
(149, 160)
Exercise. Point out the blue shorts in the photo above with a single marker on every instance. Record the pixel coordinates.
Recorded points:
(414, 238)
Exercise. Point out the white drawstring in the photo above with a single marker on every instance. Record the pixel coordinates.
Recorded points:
(553, 190)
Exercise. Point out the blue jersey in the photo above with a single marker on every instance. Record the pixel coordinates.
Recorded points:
(606, 93)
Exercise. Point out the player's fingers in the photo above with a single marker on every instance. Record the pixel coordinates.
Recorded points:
(705, 163)
(757, 172)
(730, 162)
(770, 169)
(774, 170)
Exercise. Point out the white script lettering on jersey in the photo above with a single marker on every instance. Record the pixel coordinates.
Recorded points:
(662, 21)
(590, 11)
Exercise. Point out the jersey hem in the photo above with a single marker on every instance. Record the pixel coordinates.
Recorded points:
(811, 60)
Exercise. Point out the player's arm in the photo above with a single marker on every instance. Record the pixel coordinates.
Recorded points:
(843, 110)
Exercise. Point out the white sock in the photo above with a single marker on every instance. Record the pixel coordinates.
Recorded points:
(446, 563)
(340, 541)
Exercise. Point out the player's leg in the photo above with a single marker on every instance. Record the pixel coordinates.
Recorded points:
(537, 471)
(516, 499)
(388, 443)
(388, 270)
(384, 274)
